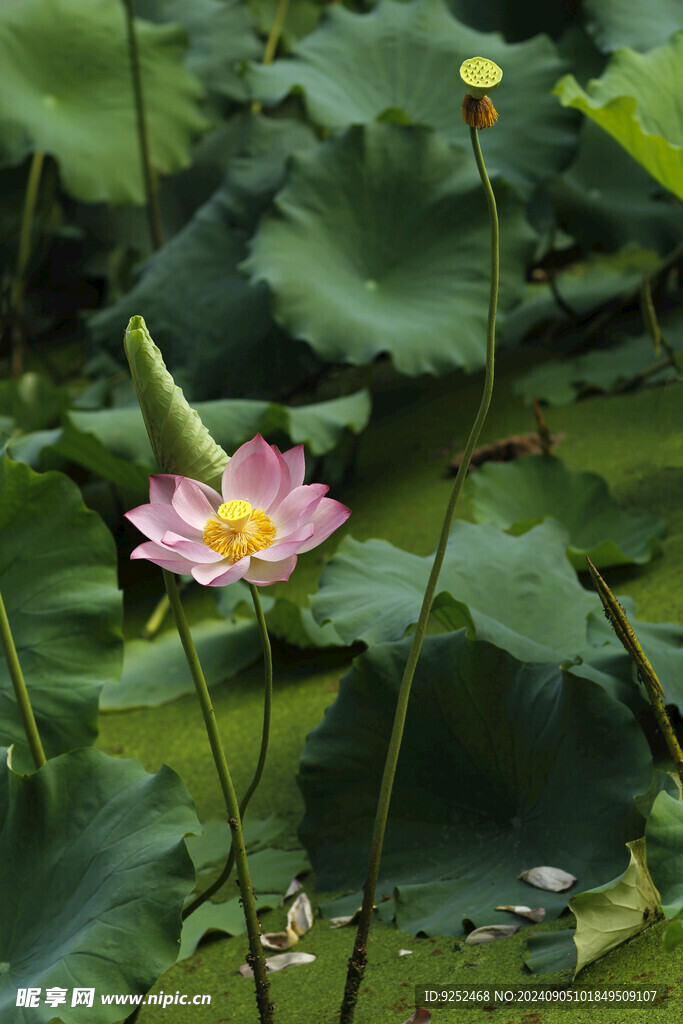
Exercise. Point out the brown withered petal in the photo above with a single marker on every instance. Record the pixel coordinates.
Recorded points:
(550, 879)
(478, 113)
(536, 915)
(280, 940)
(491, 932)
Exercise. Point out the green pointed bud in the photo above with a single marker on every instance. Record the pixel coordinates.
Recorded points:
(180, 441)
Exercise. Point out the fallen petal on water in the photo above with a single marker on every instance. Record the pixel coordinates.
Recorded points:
(536, 915)
(551, 879)
(279, 962)
(300, 916)
(419, 1017)
(280, 940)
(491, 932)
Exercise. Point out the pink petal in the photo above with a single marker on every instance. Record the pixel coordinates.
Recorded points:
(328, 516)
(192, 505)
(297, 507)
(254, 474)
(262, 574)
(162, 488)
(156, 519)
(161, 556)
(297, 468)
(289, 546)
(191, 549)
(221, 574)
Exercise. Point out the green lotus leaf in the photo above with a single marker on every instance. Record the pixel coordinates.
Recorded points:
(410, 54)
(197, 271)
(300, 19)
(617, 23)
(504, 766)
(222, 37)
(180, 441)
(107, 915)
(606, 200)
(286, 619)
(550, 952)
(517, 495)
(380, 243)
(636, 102)
(58, 582)
(223, 918)
(520, 593)
(612, 913)
(68, 92)
(155, 672)
(210, 850)
(664, 838)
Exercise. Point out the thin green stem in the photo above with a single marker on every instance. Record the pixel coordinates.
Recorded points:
(263, 753)
(255, 958)
(23, 257)
(272, 41)
(153, 211)
(358, 959)
(20, 691)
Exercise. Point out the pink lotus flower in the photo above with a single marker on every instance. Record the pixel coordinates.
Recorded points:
(265, 517)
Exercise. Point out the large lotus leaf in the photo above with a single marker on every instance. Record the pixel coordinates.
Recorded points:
(612, 913)
(67, 91)
(58, 582)
(517, 495)
(550, 952)
(504, 766)
(664, 838)
(95, 872)
(320, 425)
(605, 199)
(193, 288)
(410, 55)
(155, 672)
(301, 18)
(179, 440)
(637, 102)
(222, 37)
(520, 593)
(380, 243)
(617, 23)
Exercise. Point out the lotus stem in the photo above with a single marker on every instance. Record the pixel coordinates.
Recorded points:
(23, 257)
(272, 41)
(263, 753)
(618, 620)
(358, 960)
(255, 957)
(20, 690)
(151, 194)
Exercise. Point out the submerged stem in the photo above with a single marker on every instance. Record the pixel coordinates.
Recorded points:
(255, 958)
(153, 211)
(265, 737)
(358, 960)
(20, 691)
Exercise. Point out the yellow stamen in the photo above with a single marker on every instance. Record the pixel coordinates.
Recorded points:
(238, 529)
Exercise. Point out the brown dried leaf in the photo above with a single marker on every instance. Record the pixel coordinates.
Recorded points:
(536, 915)
(550, 879)
(505, 450)
(491, 932)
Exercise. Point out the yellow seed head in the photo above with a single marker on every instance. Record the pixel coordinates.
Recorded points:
(481, 76)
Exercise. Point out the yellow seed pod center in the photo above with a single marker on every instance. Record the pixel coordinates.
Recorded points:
(481, 76)
(235, 513)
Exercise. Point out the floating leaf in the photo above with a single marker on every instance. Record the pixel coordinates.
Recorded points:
(546, 763)
(518, 495)
(155, 672)
(210, 849)
(615, 912)
(409, 54)
(279, 962)
(127, 873)
(664, 838)
(68, 92)
(489, 933)
(551, 879)
(533, 915)
(518, 592)
(550, 952)
(222, 918)
(58, 582)
(635, 103)
(380, 243)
